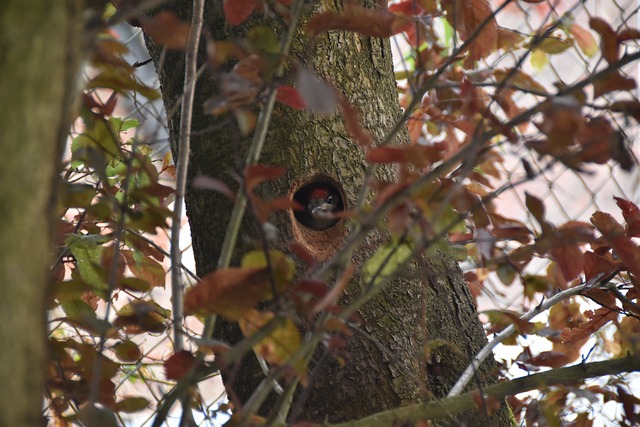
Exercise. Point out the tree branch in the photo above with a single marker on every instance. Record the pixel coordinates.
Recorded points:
(466, 402)
(191, 59)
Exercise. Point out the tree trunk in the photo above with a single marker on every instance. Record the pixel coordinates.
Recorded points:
(38, 69)
(386, 366)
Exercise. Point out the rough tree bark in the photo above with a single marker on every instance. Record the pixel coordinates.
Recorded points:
(433, 303)
(39, 59)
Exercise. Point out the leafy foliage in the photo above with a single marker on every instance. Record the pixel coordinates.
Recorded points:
(466, 120)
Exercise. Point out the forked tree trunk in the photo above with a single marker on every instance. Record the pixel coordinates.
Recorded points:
(386, 366)
(39, 60)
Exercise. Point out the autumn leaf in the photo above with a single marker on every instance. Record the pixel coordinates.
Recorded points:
(518, 79)
(612, 82)
(290, 97)
(552, 359)
(178, 365)
(279, 345)
(616, 236)
(585, 40)
(628, 107)
(467, 19)
(597, 265)
(166, 30)
(608, 39)
(569, 258)
(237, 11)
(145, 268)
(256, 174)
(353, 125)
(366, 21)
(282, 267)
(229, 292)
(631, 214)
(597, 320)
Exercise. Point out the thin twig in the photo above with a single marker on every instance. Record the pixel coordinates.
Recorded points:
(255, 150)
(186, 112)
(507, 332)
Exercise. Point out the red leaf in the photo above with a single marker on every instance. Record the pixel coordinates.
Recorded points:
(369, 22)
(303, 254)
(353, 125)
(165, 29)
(237, 11)
(595, 265)
(290, 96)
(467, 19)
(615, 235)
(178, 365)
(631, 214)
(612, 82)
(568, 257)
(552, 359)
(628, 34)
(609, 39)
(256, 174)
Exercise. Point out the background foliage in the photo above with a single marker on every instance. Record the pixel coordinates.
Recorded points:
(522, 164)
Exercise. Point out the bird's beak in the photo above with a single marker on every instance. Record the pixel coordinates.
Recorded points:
(322, 210)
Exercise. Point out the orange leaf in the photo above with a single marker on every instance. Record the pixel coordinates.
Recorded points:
(369, 22)
(353, 125)
(466, 19)
(552, 359)
(165, 29)
(597, 319)
(237, 11)
(229, 292)
(256, 174)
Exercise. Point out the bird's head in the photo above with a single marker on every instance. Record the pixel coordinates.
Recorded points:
(322, 203)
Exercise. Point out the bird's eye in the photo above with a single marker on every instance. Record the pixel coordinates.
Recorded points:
(330, 199)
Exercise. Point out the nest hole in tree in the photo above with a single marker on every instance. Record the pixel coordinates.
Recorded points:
(321, 235)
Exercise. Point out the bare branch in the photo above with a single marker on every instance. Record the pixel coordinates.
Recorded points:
(182, 166)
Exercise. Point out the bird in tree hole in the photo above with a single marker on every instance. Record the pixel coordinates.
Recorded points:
(321, 202)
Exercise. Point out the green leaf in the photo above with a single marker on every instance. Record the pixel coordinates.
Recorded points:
(386, 261)
(263, 39)
(506, 273)
(99, 134)
(77, 195)
(123, 125)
